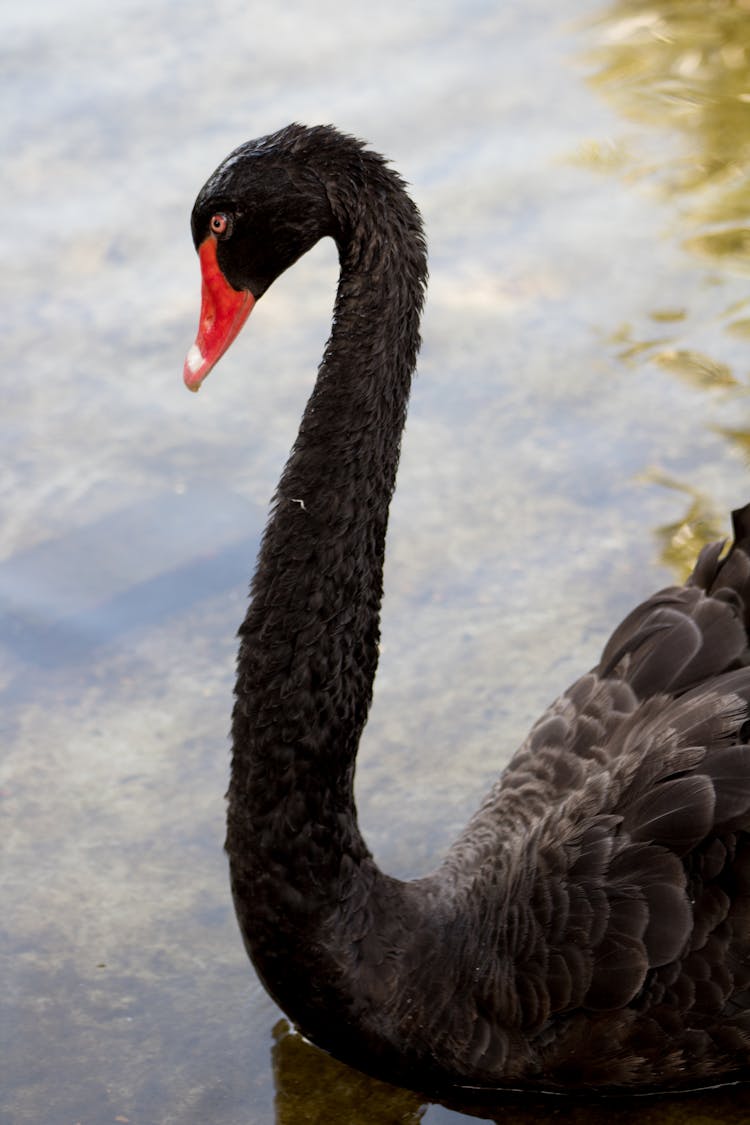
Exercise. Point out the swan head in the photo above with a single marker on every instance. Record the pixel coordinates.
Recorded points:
(265, 206)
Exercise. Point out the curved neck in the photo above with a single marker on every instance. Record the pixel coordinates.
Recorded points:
(309, 643)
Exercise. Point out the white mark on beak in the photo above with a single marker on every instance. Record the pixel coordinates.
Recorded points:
(194, 359)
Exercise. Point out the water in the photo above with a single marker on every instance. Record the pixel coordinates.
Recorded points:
(579, 425)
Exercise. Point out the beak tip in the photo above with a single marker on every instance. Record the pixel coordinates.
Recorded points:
(195, 369)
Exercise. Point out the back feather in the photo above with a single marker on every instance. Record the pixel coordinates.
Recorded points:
(613, 830)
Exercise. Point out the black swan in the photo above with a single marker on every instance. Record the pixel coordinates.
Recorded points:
(590, 929)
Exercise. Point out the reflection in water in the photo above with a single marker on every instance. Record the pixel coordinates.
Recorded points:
(685, 67)
(691, 366)
(313, 1087)
(65, 598)
(697, 369)
(741, 326)
(740, 438)
(681, 540)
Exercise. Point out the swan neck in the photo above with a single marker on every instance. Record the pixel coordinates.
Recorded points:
(309, 643)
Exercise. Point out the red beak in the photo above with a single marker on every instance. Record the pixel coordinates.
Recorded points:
(223, 312)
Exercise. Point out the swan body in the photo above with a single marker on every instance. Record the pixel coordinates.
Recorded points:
(590, 929)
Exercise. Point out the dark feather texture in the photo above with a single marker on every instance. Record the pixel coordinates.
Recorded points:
(591, 926)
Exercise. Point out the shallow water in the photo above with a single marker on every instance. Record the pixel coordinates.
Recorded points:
(580, 424)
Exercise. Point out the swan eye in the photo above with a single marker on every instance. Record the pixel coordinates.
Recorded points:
(221, 224)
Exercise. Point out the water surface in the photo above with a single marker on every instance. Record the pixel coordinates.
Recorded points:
(579, 425)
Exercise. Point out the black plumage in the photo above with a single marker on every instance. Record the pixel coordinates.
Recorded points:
(591, 926)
